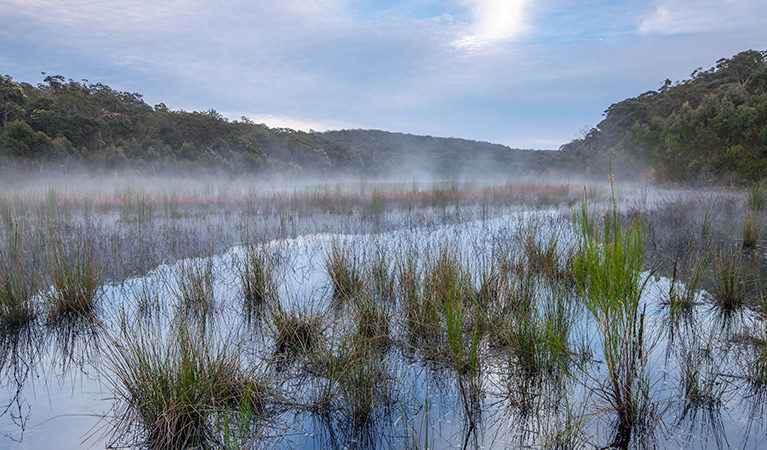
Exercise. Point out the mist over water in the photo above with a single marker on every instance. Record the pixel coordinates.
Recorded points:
(173, 250)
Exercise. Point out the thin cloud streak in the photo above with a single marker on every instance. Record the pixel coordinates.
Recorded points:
(693, 16)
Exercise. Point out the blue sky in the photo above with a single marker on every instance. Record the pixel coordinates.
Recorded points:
(524, 73)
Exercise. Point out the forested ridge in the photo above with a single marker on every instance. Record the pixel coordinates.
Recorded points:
(710, 128)
(61, 124)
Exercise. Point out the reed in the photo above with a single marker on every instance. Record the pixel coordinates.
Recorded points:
(298, 332)
(257, 279)
(729, 288)
(756, 197)
(751, 230)
(75, 274)
(421, 313)
(194, 285)
(175, 385)
(344, 271)
(608, 268)
(17, 288)
(372, 321)
(464, 353)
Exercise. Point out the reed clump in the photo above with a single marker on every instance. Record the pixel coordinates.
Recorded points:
(729, 288)
(372, 320)
(17, 291)
(608, 268)
(756, 198)
(175, 385)
(751, 231)
(257, 276)
(75, 274)
(194, 285)
(297, 332)
(344, 271)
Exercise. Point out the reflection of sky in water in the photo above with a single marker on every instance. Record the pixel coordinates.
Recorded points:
(65, 403)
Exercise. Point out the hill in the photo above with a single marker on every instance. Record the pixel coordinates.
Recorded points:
(61, 123)
(710, 128)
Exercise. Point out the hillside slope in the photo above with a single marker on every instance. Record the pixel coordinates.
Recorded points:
(710, 128)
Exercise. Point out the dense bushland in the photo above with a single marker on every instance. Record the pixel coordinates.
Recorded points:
(711, 127)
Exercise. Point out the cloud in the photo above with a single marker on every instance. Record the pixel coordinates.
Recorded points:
(693, 16)
(494, 21)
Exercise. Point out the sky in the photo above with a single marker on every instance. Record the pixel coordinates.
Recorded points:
(524, 73)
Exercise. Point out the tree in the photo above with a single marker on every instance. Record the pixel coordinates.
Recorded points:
(12, 99)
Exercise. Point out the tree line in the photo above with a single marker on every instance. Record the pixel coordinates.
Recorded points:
(61, 124)
(710, 128)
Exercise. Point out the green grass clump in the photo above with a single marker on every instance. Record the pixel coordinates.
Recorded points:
(344, 271)
(756, 198)
(256, 271)
(194, 285)
(373, 321)
(16, 291)
(76, 277)
(297, 332)
(751, 231)
(729, 286)
(608, 269)
(176, 385)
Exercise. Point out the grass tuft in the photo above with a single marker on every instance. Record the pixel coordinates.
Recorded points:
(175, 385)
(76, 277)
(344, 271)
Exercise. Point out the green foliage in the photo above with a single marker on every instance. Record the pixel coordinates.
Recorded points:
(710, 127)
(608, 267)
(63, 122)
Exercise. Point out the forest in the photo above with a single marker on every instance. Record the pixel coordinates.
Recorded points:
(64, 124)
(710, 128)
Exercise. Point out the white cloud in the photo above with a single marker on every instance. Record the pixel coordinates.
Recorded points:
(494, 21)
(691, 16)
(280, 121)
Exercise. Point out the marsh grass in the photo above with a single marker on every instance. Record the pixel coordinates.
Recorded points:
(756, 197)
(362, 380)
(298, 331)
(421, 314)
(465, 355)
(17, 290)
(372, 321)
(176, 384)
(344, 270)
(257, 277)
(75, 274)
(682, 295)
(194, 285)
(608, 266)
(751, 230)
(729, 288)
(379, 276)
